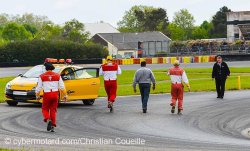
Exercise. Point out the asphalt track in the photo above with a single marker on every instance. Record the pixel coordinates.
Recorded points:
(207, 124)
(5, 72)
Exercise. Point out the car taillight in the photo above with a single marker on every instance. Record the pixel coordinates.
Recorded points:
(68, 60)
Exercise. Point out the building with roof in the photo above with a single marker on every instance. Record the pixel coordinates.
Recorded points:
(124, 45)
(94, 28)
(238, 25)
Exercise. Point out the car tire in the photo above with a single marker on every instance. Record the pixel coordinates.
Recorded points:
(12, 102)
(88, 102)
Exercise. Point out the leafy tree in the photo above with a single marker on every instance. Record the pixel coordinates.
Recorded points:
(207, 25)
(13, 31)
(74, 31)
(219, 23)
(184, 20)
(50, 32)
(31, 19)
(143, 18)
(200, 33)
(176, 32)
(4, 18)
(150, 18)
(31, 28)
(129, 22)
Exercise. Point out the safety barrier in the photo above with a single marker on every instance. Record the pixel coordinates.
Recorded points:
(164, 60)
(186, 59)
(160, 60)
(154, 60)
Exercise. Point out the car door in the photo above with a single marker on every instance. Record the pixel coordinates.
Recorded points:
(83, 83)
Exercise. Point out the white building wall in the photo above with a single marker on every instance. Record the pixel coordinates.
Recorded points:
(113, 51)
(124, 52)
(234, 29)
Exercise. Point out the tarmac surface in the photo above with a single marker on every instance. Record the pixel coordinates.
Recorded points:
(207, 124)
(15, 71)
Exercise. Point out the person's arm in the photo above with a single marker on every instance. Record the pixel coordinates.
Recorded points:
(228, 70)
(101, 71)
(185, 80)
(135, 81)
(168, 73)
(39, 88)
(119, 71)
(152, 77)
(63, 90)
(214, 71)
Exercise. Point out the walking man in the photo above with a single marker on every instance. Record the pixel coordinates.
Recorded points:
(177, 75)
(51, 83)
(220, 73)
(144, 77)
(110, 71)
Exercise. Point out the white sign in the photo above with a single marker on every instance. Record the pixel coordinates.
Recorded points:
(19, 93)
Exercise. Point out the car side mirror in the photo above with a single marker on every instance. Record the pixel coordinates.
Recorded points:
(65, 78)
(20, 75)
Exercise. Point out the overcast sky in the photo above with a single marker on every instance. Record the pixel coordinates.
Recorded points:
(111, 11)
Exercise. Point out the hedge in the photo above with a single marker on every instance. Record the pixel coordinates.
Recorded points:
(37, 50)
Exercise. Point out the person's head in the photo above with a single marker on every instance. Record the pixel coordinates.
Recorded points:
(176, 63)
(219, 59)
(49, 66)
(143, 64)
(109, 59)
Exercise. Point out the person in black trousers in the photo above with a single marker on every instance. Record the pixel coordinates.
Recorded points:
(220, 74)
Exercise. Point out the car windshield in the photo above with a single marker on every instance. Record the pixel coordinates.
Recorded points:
(36, 71)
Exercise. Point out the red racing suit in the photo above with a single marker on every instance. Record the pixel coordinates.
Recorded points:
(109, 72)
(50, 82)
(177, 75)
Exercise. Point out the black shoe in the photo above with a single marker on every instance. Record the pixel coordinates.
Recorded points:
(144, 110)
(218, 97)
(221, 97)
(179, 112)
(49, 126)
(111, 108)
(173, 109)
(52, 129)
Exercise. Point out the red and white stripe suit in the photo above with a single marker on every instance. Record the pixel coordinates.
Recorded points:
(177, 75)
(50, 82)
(109, 72)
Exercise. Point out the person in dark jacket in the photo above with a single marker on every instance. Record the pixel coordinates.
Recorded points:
(220, 74)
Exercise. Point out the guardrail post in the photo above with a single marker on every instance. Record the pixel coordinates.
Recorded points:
(239, 83)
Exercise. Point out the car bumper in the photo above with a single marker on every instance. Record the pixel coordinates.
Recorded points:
(31, 95)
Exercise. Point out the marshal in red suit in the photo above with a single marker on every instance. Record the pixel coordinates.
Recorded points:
(109, 72)
(51, 83)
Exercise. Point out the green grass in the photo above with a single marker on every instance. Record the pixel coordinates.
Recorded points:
(3, 82)
(200, 80)
(2, 149)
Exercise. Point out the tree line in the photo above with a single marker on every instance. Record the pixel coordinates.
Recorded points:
(29, 37)
(30, 27)
(147, 18)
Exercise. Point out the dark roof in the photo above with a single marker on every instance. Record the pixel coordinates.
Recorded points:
(125, 41)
